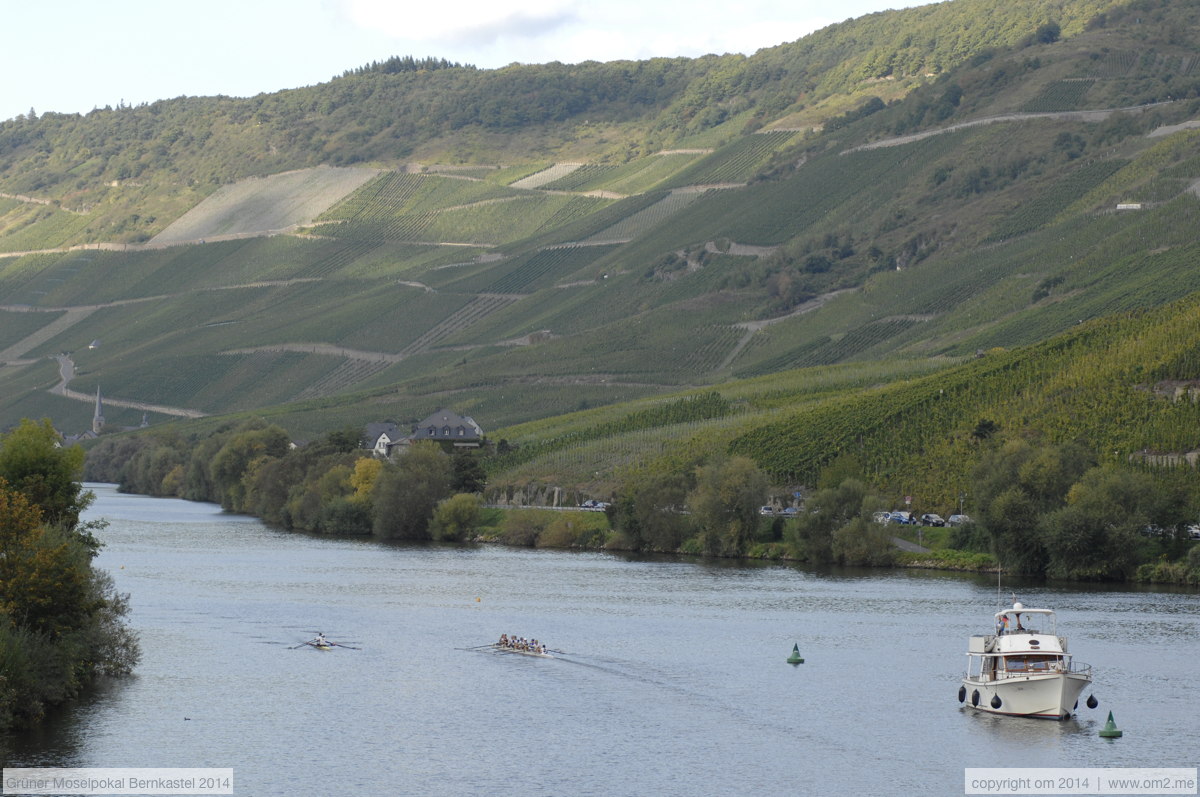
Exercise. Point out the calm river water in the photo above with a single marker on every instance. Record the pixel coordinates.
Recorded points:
(674, 680)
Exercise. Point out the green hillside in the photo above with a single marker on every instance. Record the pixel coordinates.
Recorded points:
(882, 200)
(1124, 385)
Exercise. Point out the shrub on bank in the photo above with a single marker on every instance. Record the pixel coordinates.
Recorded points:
(61, 620)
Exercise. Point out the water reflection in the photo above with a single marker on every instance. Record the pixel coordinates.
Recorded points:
(674, 679)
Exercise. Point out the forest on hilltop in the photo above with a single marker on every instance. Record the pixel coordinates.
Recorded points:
(837, 259)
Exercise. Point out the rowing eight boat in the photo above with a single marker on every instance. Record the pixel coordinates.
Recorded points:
(503, 649)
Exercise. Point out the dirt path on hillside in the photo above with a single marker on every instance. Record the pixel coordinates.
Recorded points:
(1081, 116)
(753, 327)
(321, 348)
(66, 372)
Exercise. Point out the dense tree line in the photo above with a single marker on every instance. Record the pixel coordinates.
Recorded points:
(61, 619)
(1051, 510)
(327, 486)
(384, 109)
(1042, 509)
(406, 63)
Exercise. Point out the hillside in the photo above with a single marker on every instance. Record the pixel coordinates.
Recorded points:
(1125, 385)
(533, 241)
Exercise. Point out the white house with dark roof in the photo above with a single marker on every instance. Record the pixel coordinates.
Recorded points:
(443, 426)
(379, 437)
(448, 426)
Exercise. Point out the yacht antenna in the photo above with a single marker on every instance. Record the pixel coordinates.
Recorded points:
(999, 570)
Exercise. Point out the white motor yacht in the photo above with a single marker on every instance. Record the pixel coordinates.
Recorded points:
(1024, 668)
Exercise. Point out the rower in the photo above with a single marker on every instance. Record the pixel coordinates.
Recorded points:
(320, 640)
(503, 641)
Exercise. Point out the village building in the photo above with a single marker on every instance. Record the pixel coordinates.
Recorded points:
(379, 436)
(444, 426)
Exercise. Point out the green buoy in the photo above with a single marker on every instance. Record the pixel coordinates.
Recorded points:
(1110, 730)
(795, 658)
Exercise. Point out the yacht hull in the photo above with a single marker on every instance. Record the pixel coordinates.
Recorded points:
(1048, 696)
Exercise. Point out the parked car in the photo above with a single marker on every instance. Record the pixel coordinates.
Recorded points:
(957, 520)
(1193, 532)
(766, 510)
(791, 511)
(882, 517)
(902, 519)
(932, 519)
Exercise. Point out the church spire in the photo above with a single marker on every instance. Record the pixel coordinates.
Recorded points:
(98, 416)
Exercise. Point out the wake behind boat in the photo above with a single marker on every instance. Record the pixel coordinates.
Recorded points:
(1024, 669)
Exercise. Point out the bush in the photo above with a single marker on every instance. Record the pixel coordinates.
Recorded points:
(456, 518)
(521, 527)
(345, 516)
(862, 542)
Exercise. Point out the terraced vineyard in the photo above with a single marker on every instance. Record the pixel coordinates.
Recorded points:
(734, 163)
(29, 227)
(539, 270)
(350, 373)
(16, 326)
(634, 177)
(511, 219)
(1117, 63)
(584, 177)
(403, 207)
(97, 276)
(646, 219)
(543, 178)
(1061, 95)
(474, 310)
(270, 203)
(1050, 203)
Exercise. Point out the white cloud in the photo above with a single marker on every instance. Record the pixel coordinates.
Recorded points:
(497, 32)
(473, 22)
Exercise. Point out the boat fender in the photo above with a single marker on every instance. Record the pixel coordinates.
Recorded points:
(975, 698)
(1092, 702)
(996, 702)
(962, 694)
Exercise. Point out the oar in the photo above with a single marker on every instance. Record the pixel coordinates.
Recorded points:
(340, 645)
(302, 644)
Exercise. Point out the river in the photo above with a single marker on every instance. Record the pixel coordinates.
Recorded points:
(673, 680)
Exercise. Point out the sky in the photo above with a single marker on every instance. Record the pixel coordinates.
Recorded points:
(71, 56)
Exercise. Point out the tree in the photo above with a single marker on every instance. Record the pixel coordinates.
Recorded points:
(456, 518)
(32, 463)
(831, 510)
(60, 619)
(1048, 33)
(649, 512)
(469, 475)
(1096, 535)
(984, 429)
(1012, 520)
(405, 494)
(725, 504)
(366, 471)
(1015, 487)
(252, 441)
(862, 542)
